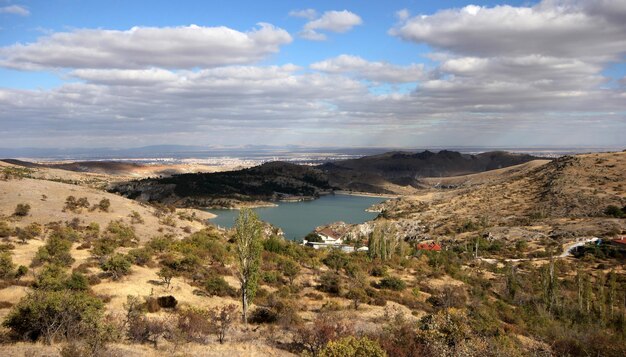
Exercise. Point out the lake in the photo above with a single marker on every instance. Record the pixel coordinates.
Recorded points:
(297, 219)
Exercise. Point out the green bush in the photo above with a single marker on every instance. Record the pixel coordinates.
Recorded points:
(51, 315)
(352, 347)
(56, 251)
(6, 265)
(614, 211)
(392, 283)
(330, 283)
(118, 265)
(217, 286)
(22, 210)
(5, 230)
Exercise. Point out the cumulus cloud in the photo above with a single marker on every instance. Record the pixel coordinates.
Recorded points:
(552, 28)
(142, 47)
(333, 21)
(14, 10)
(373, 71)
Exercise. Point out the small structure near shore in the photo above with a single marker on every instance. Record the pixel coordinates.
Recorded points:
(429, 246)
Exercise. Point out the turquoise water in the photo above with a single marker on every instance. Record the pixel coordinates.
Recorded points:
(297, 219)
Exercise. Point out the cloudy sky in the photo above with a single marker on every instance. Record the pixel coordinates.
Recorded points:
(314, 73)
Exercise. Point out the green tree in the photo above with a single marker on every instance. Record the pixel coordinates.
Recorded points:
(383, 242)
(6, 265)
(166, 274)
(56, 251)
(118, 265)
(248, 237)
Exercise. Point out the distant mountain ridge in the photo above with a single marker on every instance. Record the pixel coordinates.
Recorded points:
(406, 168)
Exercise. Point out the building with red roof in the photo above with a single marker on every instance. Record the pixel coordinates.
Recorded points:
(429, 246)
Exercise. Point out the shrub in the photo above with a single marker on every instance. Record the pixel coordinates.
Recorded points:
(352, 347)
(6, 265)
(313, 237)
(54, 314)
(167, 302)
(330, 283)
(56, 251)
(263, 315)
(104, 205)
(140, 256)
(614, 211)
(379, 271)
(326, 327)
(135, 218)
(152, 304)
(336, 259)
(5, 230)
(216, 285)
(118, 265)
(20, 272)
(221, 320)
(22, 210)
(392, 283)
(194, 324)
(77, 282)
(122, 234)
(290, 269)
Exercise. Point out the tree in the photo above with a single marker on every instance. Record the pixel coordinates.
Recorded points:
(166, 274)
(118, 265)
(221, 319)
(22, 210)
(383, 242)
(248, 236)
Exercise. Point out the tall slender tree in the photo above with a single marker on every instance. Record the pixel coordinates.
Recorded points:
(248, 237)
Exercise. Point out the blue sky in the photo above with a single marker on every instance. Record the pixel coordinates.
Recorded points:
(401, 73)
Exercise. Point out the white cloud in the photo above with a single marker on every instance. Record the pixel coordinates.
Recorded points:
(309, 14)
(333, 21)
(143, 47)
(15, 10)
(565, 28)
(374, 71)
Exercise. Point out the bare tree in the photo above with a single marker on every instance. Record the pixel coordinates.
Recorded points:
(221, 319)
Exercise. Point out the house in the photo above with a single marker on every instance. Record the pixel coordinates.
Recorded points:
(329, 236)
(429, 246)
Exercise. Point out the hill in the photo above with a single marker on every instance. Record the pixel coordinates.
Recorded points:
(563, 198)
(268, 182)
(379, 173)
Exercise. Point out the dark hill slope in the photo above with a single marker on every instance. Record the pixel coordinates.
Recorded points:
(405, 168)
(270, 181)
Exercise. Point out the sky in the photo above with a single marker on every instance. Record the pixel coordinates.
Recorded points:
(312, 73)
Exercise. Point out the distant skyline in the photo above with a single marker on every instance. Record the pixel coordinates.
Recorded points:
(417, 74)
